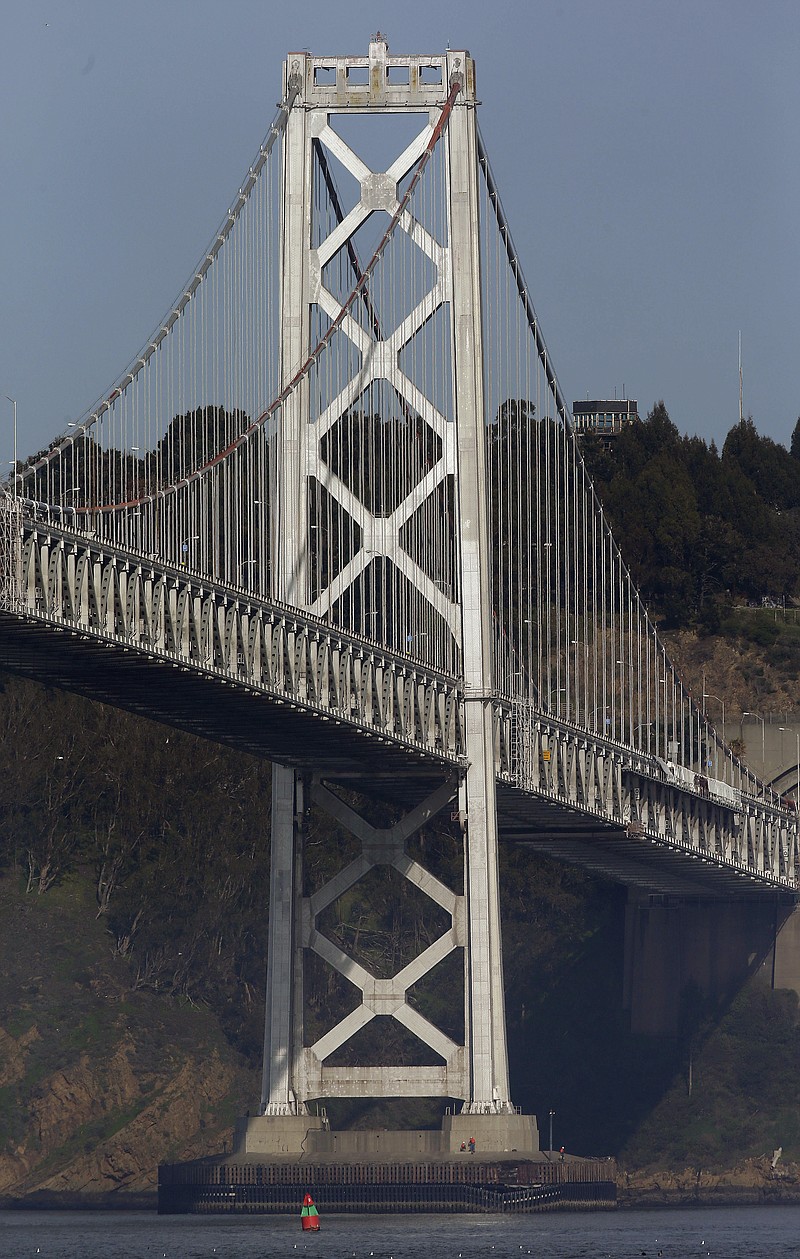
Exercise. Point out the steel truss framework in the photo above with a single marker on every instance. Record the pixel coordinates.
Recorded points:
(382, 847)
(163, 611)
(645, 798)
(436, 267)
(53, 577)
(386, 462)
(10, 551)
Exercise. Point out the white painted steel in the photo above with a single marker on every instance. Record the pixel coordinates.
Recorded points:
(66, 584)
(284, 984)
(10, 550)
(343, 477)
(488, 1057)
(384, 996)
(103, 594)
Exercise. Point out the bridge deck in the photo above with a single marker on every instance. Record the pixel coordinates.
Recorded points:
(272, 727)
(612, 852)
(164, 690)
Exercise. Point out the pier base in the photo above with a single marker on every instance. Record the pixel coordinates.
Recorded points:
(460, 1183)
(268, 1135)
(676, 947)
(492, 1134)
(302, 1135)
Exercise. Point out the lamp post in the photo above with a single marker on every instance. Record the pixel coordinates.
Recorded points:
(721, 702)
(185, 544)
(758, 717)
(244, 568)
(797, 741)
(551, 1113)
(13, 402)
(669, 747)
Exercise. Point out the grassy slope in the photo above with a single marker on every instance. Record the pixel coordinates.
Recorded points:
(744, 1099)
(754, 664)
(98, 1082)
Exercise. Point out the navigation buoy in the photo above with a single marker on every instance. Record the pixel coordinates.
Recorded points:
(309, 1219)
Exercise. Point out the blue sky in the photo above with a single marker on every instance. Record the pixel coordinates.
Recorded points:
(647, 154)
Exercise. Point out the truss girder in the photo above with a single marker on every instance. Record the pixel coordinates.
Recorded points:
(73, 583)
(162, 611)
(635, 792)
(380, 360)
(10, 531)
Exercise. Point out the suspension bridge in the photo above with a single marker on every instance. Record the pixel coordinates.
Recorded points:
(334, 513)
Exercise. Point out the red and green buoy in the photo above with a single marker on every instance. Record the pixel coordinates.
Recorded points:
(309, 1219)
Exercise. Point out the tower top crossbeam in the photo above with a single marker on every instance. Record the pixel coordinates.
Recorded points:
(379, 81)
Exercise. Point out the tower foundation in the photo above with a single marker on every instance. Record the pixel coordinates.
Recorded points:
(269, 1136)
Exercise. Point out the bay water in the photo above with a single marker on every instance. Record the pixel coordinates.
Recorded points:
(727, 1233)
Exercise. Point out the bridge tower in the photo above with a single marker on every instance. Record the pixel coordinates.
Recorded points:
(439, 93)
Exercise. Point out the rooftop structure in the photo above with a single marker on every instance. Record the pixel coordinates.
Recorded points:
(604, 417)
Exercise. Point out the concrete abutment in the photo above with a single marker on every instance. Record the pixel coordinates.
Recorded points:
(677, 951)
(268, 1136)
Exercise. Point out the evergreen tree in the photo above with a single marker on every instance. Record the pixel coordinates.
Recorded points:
(697, 527)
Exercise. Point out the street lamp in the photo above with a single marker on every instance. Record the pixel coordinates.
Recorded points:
(671, 745)
(797, 740)
(708, 695)
(551, 1113)
(758, 717)
(13, 402)
(721, 702)
(243, 567)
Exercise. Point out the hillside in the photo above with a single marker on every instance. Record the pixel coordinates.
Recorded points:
(99, 1079)
(132, 937)
(753, 664)
(134, 874)
(702, 531)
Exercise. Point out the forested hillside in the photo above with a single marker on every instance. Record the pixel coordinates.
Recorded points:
(702, 530)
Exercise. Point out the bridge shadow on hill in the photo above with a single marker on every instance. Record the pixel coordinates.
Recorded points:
(717, 1088)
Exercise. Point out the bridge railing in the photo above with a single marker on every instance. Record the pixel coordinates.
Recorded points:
(54, 576)
(649, 799)
(10, 552)
(166, 611)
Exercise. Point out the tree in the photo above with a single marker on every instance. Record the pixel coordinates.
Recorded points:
(768, 466)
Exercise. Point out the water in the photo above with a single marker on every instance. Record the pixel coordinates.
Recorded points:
(732, 1233)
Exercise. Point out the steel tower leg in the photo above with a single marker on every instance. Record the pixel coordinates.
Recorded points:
(486, 1007)
(290, 581)
(283, 1014)
(277, 1095)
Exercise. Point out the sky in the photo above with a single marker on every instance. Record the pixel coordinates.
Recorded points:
(647, 153)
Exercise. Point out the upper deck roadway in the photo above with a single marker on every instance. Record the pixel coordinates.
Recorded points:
(268, 679)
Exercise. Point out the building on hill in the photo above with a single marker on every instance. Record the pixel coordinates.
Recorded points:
(604, 418)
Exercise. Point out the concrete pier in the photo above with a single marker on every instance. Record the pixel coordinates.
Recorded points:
(462, 1183)
(267, 1136)
(674, 948)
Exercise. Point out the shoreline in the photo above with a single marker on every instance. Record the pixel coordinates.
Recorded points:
(752, 1183)
(703, 1201)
